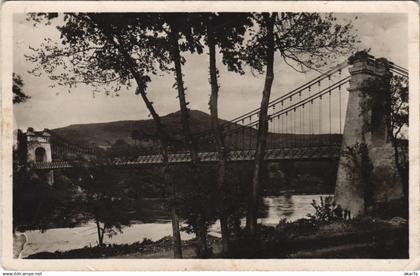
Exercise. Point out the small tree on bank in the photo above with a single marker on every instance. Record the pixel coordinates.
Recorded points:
(106, 201)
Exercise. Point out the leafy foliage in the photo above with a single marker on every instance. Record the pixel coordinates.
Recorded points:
(196, 199)
(326, 210)
(398, 105)
(228, 31)
(19, 96)
(359, 157)
(123, 151)
(107, 201)
(39, 206)
(305, 41)
(389, 95)
(89, 51)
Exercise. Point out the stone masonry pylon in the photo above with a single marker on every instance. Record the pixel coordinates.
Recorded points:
(367, 172)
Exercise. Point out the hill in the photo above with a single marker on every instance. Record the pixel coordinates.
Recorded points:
(106, 134)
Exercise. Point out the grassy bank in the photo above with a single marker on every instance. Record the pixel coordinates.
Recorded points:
(358, 238)
(145, 249)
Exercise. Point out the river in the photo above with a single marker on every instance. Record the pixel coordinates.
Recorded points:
(291, 207)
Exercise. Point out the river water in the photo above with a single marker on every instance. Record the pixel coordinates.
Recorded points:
(291, 207)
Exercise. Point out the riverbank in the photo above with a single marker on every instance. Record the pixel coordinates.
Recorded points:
(19, 241)
(139, 250)
(359, 238)
(365, 237)
(292, 208)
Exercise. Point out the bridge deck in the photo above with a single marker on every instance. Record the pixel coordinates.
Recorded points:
(318, 152)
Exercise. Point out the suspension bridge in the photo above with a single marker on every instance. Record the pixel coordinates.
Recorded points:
(305, 123)
(320, 119)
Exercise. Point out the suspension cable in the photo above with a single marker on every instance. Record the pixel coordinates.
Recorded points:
(294, 91)
(393, 67)
(339, 103)
(314, 96)
(329, 104)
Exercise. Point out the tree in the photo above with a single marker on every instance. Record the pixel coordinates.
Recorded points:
(19, 96)
(114, 48)
(38, 205)
(179, 27)
(122, 150)
(108, 51)
(304, 41)
(396, 118)
(225, 30)
(179, 35)
(198, 201)
(268, 25)
(184, 32)
(107, 200)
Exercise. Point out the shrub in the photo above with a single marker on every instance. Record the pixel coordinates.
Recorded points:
(326, 211)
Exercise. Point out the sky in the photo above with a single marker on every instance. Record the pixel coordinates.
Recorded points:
(385, 34)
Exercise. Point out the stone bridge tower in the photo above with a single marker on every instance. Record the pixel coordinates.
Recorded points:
(38, 145)
(365, 132)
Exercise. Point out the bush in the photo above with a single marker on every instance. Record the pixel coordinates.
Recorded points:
(296, 228)
(326, 211)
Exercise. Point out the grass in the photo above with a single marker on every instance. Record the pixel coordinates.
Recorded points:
(145, 249)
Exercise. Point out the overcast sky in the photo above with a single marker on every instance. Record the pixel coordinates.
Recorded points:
(385, 34)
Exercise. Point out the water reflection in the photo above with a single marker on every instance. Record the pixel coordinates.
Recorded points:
(290, 207)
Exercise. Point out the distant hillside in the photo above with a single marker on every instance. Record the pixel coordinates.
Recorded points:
(105, 134)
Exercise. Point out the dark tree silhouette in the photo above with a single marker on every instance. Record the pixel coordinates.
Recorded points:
(225, 32)
(38, 205)
(179, 27)
(107, 201)
(19, 96)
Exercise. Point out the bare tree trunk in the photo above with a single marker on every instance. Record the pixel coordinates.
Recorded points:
(174, 216)
(213, 103)
(100, 236)
(189, 141)
(251, 220)
(401, 167)
(183, 105)
(393, 136)
(177, 248)
(169, 184)
(162, 137)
